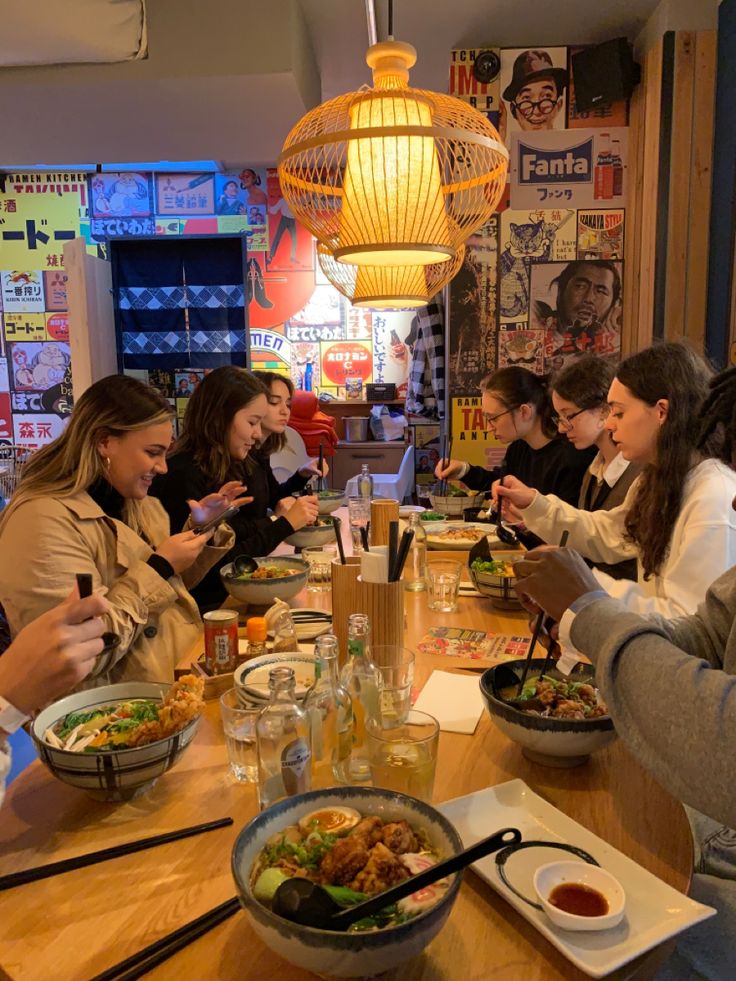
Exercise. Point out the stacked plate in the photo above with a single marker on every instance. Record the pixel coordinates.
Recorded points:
(251, 678)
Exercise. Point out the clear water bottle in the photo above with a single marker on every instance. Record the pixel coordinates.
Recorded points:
(284, 742)
(365, 483)
(362, 681)
(415, 570)
(330, 716)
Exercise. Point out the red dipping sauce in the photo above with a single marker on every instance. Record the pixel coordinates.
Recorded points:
(579, 899)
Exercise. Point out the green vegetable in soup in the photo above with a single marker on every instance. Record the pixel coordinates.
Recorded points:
(431, 516)
(267, 883)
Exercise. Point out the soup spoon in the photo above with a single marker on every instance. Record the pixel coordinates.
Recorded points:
(309, 904)
(243, 564)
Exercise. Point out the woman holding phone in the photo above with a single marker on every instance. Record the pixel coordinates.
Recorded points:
(82, 506)
(222, 426)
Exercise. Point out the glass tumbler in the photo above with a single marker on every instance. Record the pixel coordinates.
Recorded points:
(443, 585)
(239, 725)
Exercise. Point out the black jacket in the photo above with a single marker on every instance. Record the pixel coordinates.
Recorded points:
(256, 534)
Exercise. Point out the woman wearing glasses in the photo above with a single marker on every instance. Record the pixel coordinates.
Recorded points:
(676, 518)
(517, 410)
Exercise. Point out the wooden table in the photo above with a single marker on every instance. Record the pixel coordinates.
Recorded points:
(76, 925)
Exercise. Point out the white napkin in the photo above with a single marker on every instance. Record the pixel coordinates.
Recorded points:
(453, 699)
(374, 564)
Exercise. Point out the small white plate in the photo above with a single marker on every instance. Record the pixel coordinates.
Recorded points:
(308, 631)
(252, 676)
(654, 911)
(406, 510)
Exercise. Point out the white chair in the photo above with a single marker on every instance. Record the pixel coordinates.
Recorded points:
(291, 458)
(395, 486)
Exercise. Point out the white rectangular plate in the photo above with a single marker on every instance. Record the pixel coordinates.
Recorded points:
(654, 910)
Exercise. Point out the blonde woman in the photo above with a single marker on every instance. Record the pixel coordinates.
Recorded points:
(82, 505)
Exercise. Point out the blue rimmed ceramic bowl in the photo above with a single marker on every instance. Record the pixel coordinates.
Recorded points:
(337, 954)
(552, 742)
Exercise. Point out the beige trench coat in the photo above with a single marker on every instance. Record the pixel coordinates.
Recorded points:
(45, 542)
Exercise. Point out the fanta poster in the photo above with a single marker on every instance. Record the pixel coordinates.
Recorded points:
(580, 168)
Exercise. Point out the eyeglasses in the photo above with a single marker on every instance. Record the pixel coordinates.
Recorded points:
(526, 107)
(491, 420)
(566, 421)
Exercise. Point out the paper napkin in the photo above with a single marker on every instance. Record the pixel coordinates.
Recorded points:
(453, 699)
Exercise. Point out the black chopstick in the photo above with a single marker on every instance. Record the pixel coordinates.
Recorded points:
(443, 457)
(321, 463)
(364, 538)
(402, 554)
(104, 854)
(535, 637)
(393, 548)
(156, 953)
(337, 527)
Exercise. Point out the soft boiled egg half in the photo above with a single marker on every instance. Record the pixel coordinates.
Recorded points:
(331, 820)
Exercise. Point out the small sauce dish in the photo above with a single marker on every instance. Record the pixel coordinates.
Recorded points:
(594, 899)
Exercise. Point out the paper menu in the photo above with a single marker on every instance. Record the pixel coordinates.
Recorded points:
(453, 699)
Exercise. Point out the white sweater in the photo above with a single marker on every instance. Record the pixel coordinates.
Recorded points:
(702, 547)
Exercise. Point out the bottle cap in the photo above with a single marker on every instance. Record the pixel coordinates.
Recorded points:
(256, 629)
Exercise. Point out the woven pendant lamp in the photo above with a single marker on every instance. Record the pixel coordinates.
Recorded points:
(393, 176)
(388, 287)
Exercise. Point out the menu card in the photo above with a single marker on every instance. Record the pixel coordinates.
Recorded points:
(473, 645)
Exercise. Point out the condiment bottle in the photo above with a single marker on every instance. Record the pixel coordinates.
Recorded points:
(284, 742)
(256, 630)
(220, 641)
(330, 715)
(415, 570)
(365, 483)
(284, 633)
(362, 681)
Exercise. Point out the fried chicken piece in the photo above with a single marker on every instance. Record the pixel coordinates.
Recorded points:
(342, 863)
(399, 838)
(586, 693)
(370, 829)
(382, 870)
(566, 708)
(182, 703)
(546, 693)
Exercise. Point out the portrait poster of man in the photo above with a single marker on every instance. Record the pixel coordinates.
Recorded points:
(534, 83)
(578, 305)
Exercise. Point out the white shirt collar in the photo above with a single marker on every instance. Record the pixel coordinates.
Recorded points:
(611, 473)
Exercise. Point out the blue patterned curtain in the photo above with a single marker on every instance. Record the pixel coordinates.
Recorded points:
(180, 303)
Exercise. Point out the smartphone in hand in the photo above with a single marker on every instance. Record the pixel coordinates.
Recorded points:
(217, 520)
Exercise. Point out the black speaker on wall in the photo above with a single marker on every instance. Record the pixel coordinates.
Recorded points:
(604, 73)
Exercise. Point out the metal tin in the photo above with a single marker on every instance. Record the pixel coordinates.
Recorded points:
(220, 641)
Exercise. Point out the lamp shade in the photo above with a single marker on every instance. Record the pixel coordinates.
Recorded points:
(388, 287)
(392, 175)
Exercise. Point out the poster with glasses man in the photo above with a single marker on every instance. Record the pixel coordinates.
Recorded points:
(534, 86)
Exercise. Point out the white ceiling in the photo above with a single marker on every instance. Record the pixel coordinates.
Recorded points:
(226, 80)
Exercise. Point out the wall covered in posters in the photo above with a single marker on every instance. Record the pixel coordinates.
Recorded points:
(543, 282)
(299, 324)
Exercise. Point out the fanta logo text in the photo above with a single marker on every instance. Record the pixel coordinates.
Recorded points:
(571, 166)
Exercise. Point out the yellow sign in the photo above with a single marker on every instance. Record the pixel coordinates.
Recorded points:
(35, 226)
(471, 441)
(25, 327)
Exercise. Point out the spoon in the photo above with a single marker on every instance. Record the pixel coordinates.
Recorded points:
(309, 904)
(243, 564)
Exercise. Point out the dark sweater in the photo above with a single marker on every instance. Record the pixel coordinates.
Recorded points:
(557, 468)
(255, 533)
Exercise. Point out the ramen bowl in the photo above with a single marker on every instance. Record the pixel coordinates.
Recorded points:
(333, 953)
(550, 741)
(318, 534)
(498, 587)
(331, 500)
(453, 505)
(261, 592)
(112, 775)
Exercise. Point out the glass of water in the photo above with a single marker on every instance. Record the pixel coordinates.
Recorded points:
(396, 665)
(443, 585)
(359, 514)
(239, 725)
(320, 558)
(404, 757)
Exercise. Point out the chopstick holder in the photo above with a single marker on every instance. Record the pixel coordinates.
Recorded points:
(383, 512)
(383, 602)
(344, 600)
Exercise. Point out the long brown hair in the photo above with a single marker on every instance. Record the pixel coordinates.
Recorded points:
(71, 463)
(666, 371)
(274, 442)
(515, 386)
(209, 414)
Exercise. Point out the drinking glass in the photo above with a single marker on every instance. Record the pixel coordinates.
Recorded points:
(359, 514)
(239, 725)
(404, 757)
(320, 558)
(443, 585)
(396, 665)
